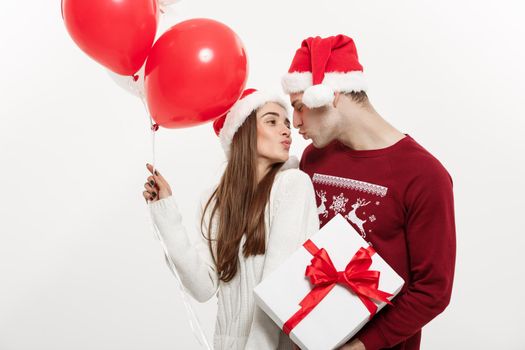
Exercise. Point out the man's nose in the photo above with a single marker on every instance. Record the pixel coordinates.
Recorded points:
(297, 121)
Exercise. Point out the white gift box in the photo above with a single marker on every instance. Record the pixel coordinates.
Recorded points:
(341, 314)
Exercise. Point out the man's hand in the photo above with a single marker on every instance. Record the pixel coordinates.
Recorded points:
(353, 345)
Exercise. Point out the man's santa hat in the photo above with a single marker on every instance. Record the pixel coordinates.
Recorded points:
(323, 66)
(227, 125)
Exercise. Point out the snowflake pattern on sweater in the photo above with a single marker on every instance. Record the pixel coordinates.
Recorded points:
(364, 200)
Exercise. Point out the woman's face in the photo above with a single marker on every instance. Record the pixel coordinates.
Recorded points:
(273, 133)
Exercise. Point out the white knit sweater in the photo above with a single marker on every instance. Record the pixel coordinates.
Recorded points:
(290, 218)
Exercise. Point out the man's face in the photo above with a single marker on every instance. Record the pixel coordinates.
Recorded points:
(316, 124)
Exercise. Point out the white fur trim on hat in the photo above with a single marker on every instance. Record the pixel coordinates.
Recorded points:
(318, 96)
(340, 82)
(241, 110)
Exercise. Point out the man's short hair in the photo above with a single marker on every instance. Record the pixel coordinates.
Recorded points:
(359, 97)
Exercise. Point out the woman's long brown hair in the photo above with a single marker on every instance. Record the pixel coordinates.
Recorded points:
(240, 203)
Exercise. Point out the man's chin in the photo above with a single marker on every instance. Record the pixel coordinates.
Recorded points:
(318, 144)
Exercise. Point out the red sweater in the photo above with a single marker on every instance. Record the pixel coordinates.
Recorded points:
(400, 200)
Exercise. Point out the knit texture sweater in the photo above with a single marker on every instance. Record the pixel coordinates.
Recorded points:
(290, 219)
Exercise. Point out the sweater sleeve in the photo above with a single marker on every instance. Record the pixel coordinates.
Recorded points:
(294, 220)
(431, 243)
(189, 252)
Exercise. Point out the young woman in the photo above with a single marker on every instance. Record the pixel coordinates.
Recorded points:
(261, 211)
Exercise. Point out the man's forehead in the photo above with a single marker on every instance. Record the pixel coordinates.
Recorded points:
(296, 98)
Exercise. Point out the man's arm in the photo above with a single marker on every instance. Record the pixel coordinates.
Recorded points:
(431, 243)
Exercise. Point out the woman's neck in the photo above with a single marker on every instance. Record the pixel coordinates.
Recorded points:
(263, 166)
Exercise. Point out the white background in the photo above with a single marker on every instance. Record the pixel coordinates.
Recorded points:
(79, 266)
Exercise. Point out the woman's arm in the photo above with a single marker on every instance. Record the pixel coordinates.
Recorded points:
(189, 253)
(293, 220)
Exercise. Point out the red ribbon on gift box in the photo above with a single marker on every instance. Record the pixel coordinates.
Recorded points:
(323, 275)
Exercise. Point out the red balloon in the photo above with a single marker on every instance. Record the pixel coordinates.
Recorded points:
(116, 33)
(194, 73)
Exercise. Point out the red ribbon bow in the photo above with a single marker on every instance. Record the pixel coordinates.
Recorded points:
(323, 275)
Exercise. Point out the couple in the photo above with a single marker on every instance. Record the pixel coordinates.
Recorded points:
(393, 192)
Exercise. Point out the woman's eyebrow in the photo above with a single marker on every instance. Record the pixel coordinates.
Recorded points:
(270, 113)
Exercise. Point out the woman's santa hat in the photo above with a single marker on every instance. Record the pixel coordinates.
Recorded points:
(227, 125)
(323, 66)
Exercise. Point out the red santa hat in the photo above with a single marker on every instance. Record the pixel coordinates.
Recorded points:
(322, 66)
(227, 125)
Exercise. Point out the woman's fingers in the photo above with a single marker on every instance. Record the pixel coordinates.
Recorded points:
(150, 169)
(150, 188)
(151, 181)
(152, 192)
(156, 175)
(162, 186)
(148, 196)
(155, 185)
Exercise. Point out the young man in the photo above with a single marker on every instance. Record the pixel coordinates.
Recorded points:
(395, 194)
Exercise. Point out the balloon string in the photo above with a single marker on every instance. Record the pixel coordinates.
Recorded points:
(153, 127)
(195, 325)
